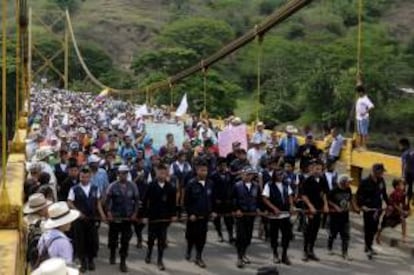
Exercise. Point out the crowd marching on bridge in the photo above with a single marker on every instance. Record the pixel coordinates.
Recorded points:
(91, 161)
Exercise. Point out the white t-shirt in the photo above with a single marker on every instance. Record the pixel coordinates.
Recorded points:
(85, 188)
(266, 194)
(363, 105)
(253, 156)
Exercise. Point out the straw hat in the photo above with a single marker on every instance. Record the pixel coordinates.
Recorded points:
(43, 153)
(291, 129)
(123, 168)
(54, 266)
(93, 159)
(60, 214)
(236, 121)
(36, 202)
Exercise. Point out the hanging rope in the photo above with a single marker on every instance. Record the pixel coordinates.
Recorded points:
(359, 45)
(147, 97)
(171, 93)
(259, 72)
(204, 70)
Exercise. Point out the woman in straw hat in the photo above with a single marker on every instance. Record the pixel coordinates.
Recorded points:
(54, 266)
(54, 243)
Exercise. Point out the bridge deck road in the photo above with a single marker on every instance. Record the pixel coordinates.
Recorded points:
(221, 257)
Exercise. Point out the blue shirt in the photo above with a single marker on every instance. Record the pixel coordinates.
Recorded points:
(290, 145)
(100, 179)
(61, 247)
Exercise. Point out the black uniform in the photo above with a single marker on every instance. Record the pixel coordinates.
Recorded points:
(370, 194)
(122, 202)
(315, 189)
(223, 190)
(60, 172)
(339, 222)
(247, 201)
(281, 200)
(142, 185)
(198, 201)
(159, 204)
(64, 187)
(85, 230)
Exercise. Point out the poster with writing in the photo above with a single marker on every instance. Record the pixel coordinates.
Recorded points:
(230, 135)
(159, 131)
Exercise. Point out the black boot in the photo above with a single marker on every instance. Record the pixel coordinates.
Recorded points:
(122, 266)
(160, 262)
(285, 258)
(148, 256)
(84, 266)
(112, 257)
(139, 242)
(91, 264)
(188, 253)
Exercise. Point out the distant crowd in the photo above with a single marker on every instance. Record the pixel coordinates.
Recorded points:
(91, 161)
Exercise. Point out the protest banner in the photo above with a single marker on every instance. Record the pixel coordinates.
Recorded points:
(158, 132)
(230, 135)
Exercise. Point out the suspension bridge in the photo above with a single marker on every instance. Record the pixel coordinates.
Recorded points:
(12, 240)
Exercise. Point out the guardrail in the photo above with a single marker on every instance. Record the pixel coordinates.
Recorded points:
(12, 230)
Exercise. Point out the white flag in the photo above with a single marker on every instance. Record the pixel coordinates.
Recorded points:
(143, 110)
(65, 120)
(182, 109)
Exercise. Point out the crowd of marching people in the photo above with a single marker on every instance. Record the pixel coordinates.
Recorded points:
(92, 162)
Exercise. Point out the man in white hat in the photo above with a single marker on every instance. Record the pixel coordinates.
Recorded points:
(55, 266)
(36, 209)
(122, 206)
(260, 136)
(290, 144)
(86, 198)
(99, 177)
(54, 243)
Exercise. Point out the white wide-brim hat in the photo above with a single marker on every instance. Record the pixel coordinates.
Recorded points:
(291, 129)
(35, 203)
(60, 214)
(55, 266)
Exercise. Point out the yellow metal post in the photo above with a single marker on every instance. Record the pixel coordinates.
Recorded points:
(66, 70)
(18, 59)
(4, 95)
(29, 63)
(259, 73)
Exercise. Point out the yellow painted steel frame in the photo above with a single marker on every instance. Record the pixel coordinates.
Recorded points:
(35, 18)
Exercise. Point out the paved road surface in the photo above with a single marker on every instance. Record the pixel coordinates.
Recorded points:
(220, 258)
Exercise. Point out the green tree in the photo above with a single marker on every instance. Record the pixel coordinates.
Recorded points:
(168, 60)
(202, 35)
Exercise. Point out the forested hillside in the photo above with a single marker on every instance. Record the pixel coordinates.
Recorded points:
(309, 62)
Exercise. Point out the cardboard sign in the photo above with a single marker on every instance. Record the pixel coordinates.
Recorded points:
(230, 135)
(159, 131)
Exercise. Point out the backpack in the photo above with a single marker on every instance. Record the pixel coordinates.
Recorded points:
(44, 254)
(35, 232)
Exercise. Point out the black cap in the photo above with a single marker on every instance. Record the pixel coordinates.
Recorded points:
(378, 167)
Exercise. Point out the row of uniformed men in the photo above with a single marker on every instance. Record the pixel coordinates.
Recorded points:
(122, 205)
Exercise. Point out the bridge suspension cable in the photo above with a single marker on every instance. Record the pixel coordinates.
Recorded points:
(82, 60)
(276, 18)
(258, 31)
